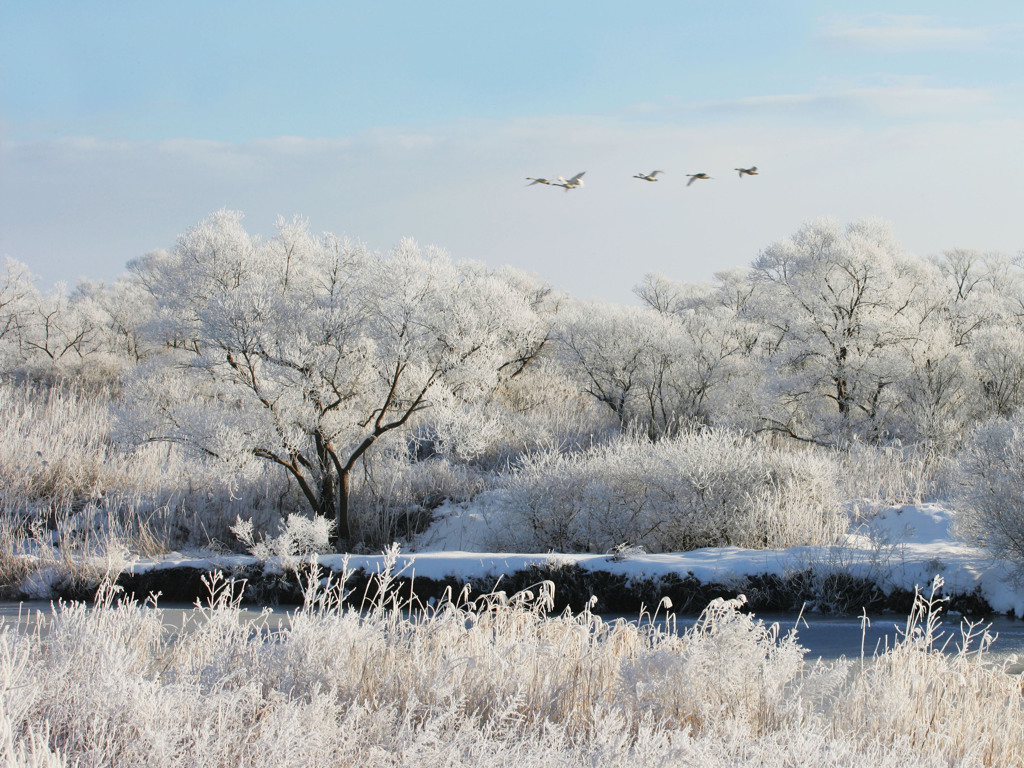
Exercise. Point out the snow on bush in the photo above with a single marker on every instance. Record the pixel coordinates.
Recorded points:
(29, 752)
(990, 489)
(890, 475)
(937, 703)
(704, 489)
(299, 536)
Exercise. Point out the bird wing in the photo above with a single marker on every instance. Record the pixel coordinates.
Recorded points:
(692, 179)
(575, 179)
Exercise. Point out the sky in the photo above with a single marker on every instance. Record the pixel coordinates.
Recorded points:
(124, 124)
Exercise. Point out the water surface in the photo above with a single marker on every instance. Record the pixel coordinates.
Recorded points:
(825, 637)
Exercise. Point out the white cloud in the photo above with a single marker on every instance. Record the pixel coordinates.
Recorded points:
(895, 32)
(911, 100)
(891, 97)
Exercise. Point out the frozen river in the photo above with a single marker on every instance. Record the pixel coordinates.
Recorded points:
(826, 637)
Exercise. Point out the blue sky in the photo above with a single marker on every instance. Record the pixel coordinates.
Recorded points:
(122, 124)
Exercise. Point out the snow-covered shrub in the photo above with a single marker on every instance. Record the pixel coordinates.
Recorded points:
(712, 488)
(711, 677)
(541, 407)
(299, 536)
(937, 703)
(990, 489)
(71, 491)
(28, 752)
(544, 406)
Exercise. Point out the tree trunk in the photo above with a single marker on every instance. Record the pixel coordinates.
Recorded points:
(328, 488)
(341, 529)
(842, 391)
(327, 494)
(842, 397)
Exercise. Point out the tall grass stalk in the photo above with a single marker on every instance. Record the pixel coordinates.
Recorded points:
(949, 705)
(893, 475)
(482, 682)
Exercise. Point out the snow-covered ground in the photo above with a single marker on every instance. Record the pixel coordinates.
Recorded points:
(902, 547)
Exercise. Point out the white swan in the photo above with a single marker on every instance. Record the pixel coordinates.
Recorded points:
(695, 176)
(573, 183)
(647, 176)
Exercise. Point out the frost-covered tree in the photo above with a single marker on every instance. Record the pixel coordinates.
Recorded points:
(980, 290)
(704, 354)
(998, 358)
(123, 308)
(658, 370)
(840, 308)
(15, 290)
(306, 350)
(79, 335)
(16, 295)
(983, 296)
(731, 289)
(58, 332)
(934, 398)
(665, 295)
(611, 350)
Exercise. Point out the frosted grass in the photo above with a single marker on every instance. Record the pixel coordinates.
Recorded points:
(703, 489)
(484, 682)
(67, 485)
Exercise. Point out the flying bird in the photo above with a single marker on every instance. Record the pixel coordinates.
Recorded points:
(647, 176)
(536, 181)
(575, 181)
(695, 176)
(751, 171)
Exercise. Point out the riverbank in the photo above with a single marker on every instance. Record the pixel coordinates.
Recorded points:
(877, 568)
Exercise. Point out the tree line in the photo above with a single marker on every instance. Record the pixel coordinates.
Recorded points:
(310, 353)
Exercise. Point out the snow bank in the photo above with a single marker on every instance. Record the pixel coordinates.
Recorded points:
(899, 549)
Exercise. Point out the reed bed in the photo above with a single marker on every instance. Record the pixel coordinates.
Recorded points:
(481, 682)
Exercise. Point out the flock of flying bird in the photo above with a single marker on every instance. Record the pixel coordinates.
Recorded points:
(577, 180)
